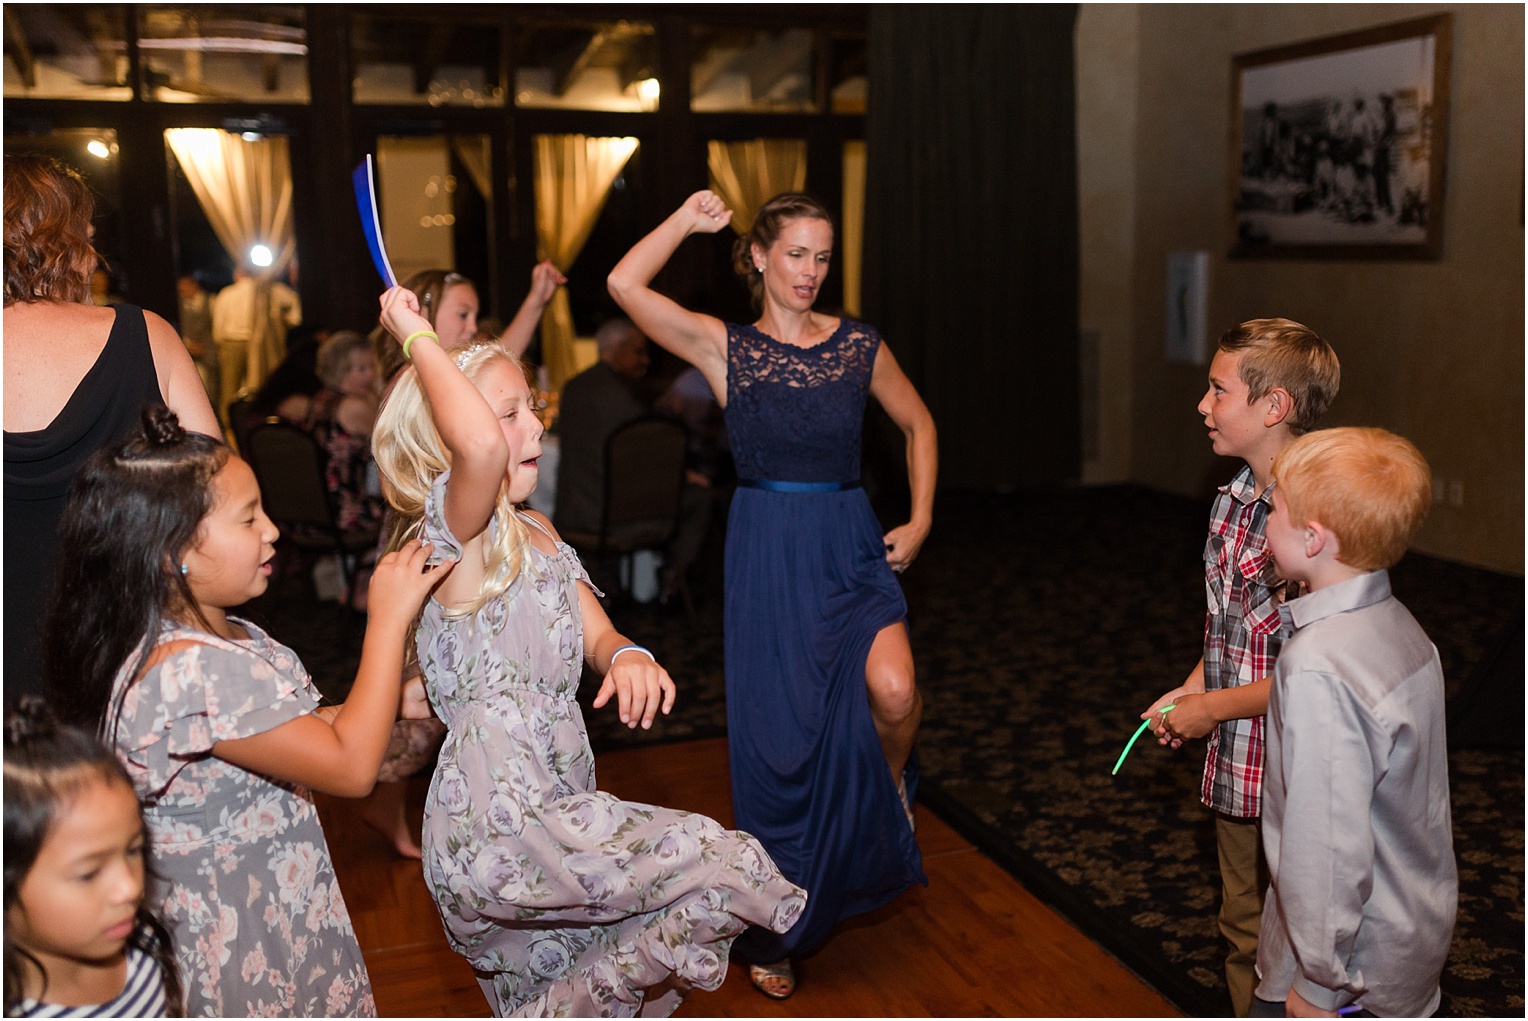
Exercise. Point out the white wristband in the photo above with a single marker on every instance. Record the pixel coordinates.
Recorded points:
(631, 648)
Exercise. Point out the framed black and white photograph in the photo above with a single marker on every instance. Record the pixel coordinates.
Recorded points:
(1338, 144)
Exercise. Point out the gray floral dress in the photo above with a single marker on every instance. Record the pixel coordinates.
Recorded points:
(248, 889)
(567, 901)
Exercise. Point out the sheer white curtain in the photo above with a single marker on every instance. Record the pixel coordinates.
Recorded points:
(245, 190)
(573, 177)
(749, 173)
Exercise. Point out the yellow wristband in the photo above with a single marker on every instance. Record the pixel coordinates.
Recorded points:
(415, 336)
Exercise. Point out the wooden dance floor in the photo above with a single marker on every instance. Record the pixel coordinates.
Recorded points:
(972, 944)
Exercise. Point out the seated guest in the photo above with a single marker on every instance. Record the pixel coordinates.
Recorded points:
(291, 385)
(690, 400)
(340, 416)
(594, 404)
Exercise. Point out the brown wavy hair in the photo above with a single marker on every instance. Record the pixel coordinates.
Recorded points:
(429, 286)
(48, 253)
(767, 225)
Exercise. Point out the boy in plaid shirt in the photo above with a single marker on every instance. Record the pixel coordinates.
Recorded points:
(1270, 381)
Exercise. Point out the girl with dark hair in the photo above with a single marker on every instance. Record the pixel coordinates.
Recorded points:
(822, 708)
(76, 377)
(79, 941)
(217, 724)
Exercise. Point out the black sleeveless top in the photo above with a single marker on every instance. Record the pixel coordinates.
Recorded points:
(39, 466)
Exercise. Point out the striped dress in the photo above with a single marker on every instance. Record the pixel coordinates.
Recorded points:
(142, 995)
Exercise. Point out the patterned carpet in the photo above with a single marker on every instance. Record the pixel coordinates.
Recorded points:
(1042, 625)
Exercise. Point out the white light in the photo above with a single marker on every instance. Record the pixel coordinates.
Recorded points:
(251, 136)
(260, 255)
(97, 148)
(647, 90)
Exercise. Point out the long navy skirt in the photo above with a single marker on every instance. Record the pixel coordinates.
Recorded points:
(807, 591)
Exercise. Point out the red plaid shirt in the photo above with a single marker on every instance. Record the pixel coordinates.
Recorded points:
(1241, 639)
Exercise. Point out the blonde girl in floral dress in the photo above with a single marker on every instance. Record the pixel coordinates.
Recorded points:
(218, 724)
(566, 901)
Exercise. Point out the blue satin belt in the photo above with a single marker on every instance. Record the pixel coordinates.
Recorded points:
(775, 486)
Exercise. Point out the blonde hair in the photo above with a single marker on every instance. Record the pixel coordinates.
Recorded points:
(1369, 487)
(1282, 353)
(410, 456)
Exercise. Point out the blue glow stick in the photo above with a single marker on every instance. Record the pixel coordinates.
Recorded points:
(1135, 737)
(371, 224)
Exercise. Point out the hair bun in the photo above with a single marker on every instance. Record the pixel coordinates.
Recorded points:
(161, 426)
(32, 718)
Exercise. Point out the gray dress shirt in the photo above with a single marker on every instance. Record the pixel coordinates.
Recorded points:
(1356, 824)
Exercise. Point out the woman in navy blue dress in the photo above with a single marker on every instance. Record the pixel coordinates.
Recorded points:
(822, 708)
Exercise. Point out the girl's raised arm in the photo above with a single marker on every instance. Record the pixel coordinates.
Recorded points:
(699, 339)
(545, 279)
(340, 753)
(467, 425)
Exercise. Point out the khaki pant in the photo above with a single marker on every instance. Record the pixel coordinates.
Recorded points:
(233, 363)
(1243, 881)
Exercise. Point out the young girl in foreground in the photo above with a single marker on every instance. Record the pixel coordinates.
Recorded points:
(216, 722)
(566, 900)
(78, 941)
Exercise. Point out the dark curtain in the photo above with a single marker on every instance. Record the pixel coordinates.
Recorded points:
(971, 232)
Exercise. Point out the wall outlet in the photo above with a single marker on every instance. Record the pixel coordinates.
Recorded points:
(1439, 490)
(1456, 493)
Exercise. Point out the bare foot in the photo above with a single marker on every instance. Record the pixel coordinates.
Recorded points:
(382, 810)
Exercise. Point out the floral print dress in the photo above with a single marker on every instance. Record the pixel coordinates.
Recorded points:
(248, 889)
(565, 900)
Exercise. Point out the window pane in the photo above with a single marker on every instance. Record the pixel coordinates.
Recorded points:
(66, 51)
(435, 198)
(93, 152)
(738, 69)
(417, 61)
(207, 53)
(589, 66)
(848, 74)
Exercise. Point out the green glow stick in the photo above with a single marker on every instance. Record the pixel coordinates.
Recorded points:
(1135, 737)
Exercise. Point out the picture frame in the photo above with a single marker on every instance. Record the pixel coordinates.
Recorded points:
(1338, 145)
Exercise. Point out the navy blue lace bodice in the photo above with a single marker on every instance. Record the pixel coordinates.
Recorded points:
(794, 414)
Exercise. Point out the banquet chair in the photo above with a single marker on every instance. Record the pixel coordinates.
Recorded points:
(289, 465)
(644, 485)
(241, 418)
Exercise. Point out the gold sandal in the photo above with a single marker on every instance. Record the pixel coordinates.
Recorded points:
(782, 979)
(907, 805)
